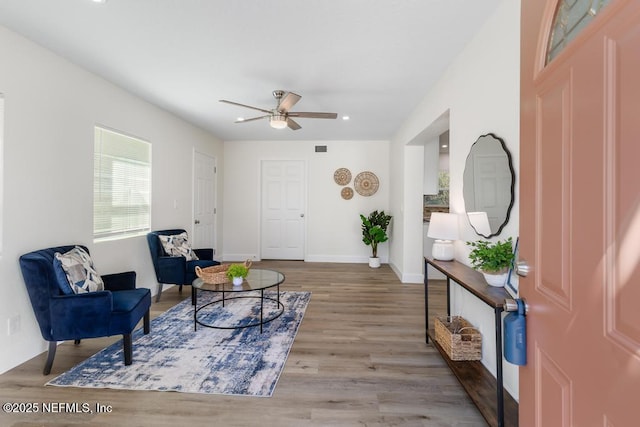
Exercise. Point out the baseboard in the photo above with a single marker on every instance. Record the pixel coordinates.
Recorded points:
(395, 269)
(412, 278)
(308, 258)
(239, 257)
(340, 259)
(404, 278)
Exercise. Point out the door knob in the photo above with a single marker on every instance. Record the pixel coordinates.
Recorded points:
(302, 215)
(197, 221)
(522, 268)
(512, 305)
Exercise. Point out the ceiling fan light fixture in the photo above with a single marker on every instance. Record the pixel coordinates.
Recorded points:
(281, 117)
(278, 121)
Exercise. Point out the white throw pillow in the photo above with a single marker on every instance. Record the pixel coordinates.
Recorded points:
(80, 273)
(178, 245)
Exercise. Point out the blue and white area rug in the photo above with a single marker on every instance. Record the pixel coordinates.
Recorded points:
(174, 357)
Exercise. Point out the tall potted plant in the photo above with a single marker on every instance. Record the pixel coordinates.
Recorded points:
(374, 231)
(492, 259)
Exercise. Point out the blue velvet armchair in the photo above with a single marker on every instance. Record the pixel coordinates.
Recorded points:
(175, 270)
(113, 311)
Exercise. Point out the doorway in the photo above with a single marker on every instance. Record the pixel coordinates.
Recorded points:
(434, 191)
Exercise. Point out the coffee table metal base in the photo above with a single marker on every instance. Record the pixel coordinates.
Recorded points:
(259, 322)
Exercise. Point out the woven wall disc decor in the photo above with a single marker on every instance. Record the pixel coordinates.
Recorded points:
(366, 183)
(347, 193)
(342, 176)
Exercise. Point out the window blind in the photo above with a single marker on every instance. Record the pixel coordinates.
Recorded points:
(121, 185)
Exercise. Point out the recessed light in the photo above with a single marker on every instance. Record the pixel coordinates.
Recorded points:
(345, 117)
(444, 145)
(99, 1)
(240, 119)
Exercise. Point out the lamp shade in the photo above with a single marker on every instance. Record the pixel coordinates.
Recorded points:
(443, 226)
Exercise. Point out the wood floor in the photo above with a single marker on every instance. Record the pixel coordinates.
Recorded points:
(359, 359)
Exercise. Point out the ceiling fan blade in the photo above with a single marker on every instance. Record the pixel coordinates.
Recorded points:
(292, 124)
(288, 101)
(243, 105)
(314, 115)
(252, 119)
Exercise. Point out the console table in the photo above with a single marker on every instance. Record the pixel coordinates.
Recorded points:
(495, 404)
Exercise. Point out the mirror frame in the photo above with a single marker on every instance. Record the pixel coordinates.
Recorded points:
(512, 189)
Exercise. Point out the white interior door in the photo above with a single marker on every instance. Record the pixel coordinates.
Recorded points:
(204, 201)
(283, 208)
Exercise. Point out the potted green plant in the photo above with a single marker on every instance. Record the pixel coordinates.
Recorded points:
(237, 273)
(492, 259)
(374, 231)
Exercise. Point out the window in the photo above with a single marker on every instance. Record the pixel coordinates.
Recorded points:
(121, 185)
(572, 16)
(1, 166)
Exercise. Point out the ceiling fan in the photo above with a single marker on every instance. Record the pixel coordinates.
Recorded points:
(281, 116)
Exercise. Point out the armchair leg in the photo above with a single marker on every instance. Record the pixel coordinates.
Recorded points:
(180, 289)
(128, 349)
(53, 345)
(193, 295)
(76, 342)
(146, 323)
(159, 292)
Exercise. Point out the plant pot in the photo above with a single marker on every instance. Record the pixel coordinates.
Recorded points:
(497, 280)
(374, 262)
(237, 281)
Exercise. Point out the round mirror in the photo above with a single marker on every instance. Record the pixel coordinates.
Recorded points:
(488, 184)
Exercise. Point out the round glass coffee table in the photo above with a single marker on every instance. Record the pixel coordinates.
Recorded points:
(253, 286)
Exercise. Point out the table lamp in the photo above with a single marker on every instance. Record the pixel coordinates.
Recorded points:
(444, 228)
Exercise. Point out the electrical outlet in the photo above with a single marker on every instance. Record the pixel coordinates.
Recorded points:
(13, 324)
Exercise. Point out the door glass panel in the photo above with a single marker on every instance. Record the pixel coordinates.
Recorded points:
(572, 16)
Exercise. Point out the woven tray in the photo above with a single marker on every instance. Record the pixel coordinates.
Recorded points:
(459, 338)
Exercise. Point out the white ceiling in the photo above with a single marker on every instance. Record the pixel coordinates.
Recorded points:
(373, 60)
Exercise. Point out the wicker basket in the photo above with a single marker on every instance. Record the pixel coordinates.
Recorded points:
(217, 274)
(459, 338)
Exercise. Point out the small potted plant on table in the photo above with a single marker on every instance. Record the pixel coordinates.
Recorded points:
(237, 272)
(492, 259)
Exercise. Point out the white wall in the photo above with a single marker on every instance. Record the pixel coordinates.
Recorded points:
(51, 107)
(480, 90)
(332, 223)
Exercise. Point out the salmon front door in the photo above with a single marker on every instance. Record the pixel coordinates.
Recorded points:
(580, 214)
